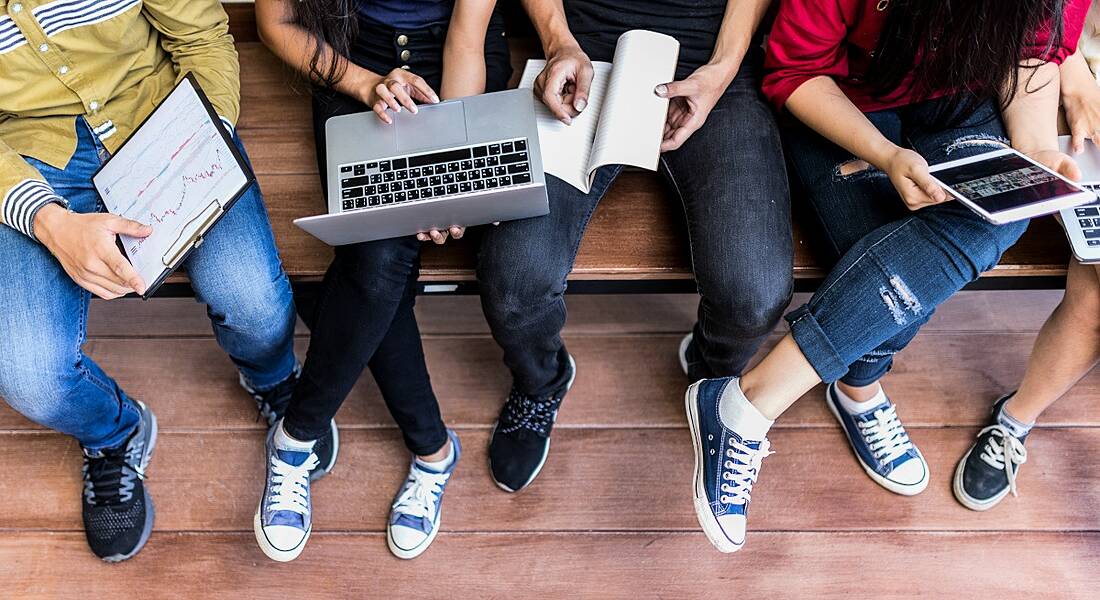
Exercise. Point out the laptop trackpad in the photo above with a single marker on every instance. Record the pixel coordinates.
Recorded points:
(433, 126)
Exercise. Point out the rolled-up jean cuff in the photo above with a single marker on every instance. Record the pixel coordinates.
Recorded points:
(865, 379)
(815, 345)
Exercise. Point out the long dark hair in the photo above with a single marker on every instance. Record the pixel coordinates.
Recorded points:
(972, 46)
(332, 22)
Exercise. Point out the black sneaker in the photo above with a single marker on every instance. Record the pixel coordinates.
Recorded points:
(521, 439)
(987, 472)
(117, 509)
(272, 406)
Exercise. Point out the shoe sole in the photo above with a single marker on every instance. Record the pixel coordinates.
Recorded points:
(898, 488)
(706, 518)
(320, 471)
(150, 510)
(964, 498)
(684, 344)
(271, 551)
(545, 452)
(417, 551)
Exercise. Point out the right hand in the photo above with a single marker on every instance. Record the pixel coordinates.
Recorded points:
(564, 83)
(908, 172)
(85, 246)
(400, 88)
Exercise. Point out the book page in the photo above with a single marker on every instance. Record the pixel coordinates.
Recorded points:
(633, 117)
(566, 149)
(172, 173)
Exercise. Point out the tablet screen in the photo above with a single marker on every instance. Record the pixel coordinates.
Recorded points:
(1003, 182)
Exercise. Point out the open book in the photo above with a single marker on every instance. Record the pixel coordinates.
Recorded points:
(624, 121)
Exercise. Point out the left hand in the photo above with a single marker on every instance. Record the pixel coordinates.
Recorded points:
(1058, 162)
(440, 237)
(690, 102)
(1083, 117)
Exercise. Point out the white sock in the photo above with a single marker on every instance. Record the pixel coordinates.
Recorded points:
(1014, 426)
(283, 441)
(439, 465)
(855, 407)
(737, 413)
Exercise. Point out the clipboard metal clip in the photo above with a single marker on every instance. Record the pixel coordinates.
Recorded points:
(186, 242)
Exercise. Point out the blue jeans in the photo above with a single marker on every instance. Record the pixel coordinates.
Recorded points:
(44, 373)
(893, 267)
(731, 180)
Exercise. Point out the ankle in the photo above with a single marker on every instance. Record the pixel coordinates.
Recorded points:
(862, 393)
(1018, 410)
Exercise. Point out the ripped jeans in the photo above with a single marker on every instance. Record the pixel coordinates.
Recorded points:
(892, 266)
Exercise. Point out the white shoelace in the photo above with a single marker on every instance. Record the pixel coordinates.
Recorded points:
(742, 465)
(418, 498)
(885, 435)
(994, 453)
(288, 490)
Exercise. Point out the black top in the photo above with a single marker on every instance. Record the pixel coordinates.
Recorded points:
(407, 14)
(597, 25)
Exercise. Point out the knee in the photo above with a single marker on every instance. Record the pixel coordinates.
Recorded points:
(261, 307)
(516, 291)
(37, 383)
(383, 267)
(992, 242)
(750, 309)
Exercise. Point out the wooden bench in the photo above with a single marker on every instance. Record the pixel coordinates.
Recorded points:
(636, 240)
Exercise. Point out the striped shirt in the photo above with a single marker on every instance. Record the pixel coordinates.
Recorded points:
(108, 61)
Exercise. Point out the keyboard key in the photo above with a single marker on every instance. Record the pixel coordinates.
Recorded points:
(370, 190)
(1088, 212)
(492, 161)
(388, 176)
(376, 178)
(1092, 234)
(351, 182)
(349, 204)
(521, 178)
(384, 166)
(345, 169)
(506, 148)
(400, 197)
(435, 180)
(400, 163)
(494, 148)
(372, 165)
(439, 190)
(387, 198)
(502, 170)
(467, 165)
(1081, 222)
(506, 180)
(491, 183)
(452, 189)
(438, 157)
(383, 188)
(475, 174)
(413, 195)
(351, 193)
(486, 172)
(402, 175)
(521, 145)
(448, 178)
(376, 201)
(1093, 242)
(359, 170)
(461, 176)
(464, 187)
(479, 163)
(1095, 223)
(361, 203)
(426, 192)
(478, 185)
(513, 158)
(410, 184)
(481, 151)
(520, 168)
(422, 182)
(453, 167)
(414, 173)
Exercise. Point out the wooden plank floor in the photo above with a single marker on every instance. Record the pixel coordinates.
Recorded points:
(610, 515)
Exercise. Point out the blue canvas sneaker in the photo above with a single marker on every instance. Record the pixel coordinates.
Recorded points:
(726, 467)
(987, 473)
(417, 508)
(882, 446)
(284, 518)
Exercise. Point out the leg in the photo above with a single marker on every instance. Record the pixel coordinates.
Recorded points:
(739, 226)
(238, 275)
(522, 270)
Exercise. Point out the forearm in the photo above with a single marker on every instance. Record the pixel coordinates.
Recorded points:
(464, 51)
(823, 107)
(738, 27)
(548, 17)
(1031, 117)
(278, 28)
(1075, 77)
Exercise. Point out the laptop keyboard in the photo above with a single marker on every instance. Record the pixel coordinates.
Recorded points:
(425, 176)
(1088, 219)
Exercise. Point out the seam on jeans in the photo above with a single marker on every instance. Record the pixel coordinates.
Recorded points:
(904, 223)
(616, 169)
(82, 337)
(683, 205)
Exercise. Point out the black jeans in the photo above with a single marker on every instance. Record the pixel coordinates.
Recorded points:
(732, 182)
(364, 315)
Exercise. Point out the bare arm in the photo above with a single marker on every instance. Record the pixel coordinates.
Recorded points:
(1031, 117)
(1081, 100)
(564, 83)
(464, 51)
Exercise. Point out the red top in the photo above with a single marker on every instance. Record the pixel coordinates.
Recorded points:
(835, 38)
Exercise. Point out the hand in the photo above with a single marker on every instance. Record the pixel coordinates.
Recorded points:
(690, 102)
(440, 237)
(396, 90)
(564, 83)
(85, 246)
(1083, 116)
(1058, 162)
(908, 172)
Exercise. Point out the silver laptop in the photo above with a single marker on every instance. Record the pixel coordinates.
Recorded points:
(1082, 224)
(469, 161)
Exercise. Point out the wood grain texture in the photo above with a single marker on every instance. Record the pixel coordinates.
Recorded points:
(569, 565)
(594, 480)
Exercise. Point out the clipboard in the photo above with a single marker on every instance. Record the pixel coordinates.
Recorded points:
(198, 218)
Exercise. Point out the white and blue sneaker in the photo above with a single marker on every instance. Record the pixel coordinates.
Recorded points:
(726, 466)
(882, 445)
(417, 510)
(284, 518)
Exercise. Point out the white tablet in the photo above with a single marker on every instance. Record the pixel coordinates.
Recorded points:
(1005, 186)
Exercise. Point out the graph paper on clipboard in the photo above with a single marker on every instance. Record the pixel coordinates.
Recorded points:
(179, 173)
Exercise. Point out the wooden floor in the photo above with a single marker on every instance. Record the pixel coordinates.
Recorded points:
(610, 515)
